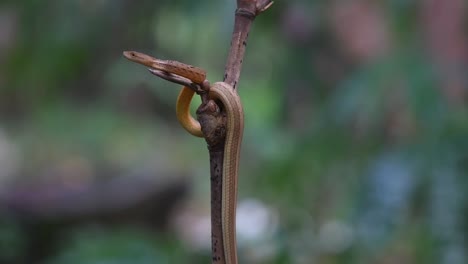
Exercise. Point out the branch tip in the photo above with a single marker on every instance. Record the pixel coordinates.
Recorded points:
(263, 5)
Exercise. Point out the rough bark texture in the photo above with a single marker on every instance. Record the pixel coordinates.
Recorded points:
(213, 124)
(217, 245)
(238, 44)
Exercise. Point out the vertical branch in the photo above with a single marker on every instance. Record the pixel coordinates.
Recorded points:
(217, 244)
(242, 26)
(245, 14)
(213, 121)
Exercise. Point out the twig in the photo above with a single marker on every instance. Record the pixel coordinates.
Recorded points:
(213, 121)
(245, 14)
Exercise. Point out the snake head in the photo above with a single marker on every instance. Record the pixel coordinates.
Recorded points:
(139, 57)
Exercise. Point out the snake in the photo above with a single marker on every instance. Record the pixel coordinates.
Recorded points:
(230, 100)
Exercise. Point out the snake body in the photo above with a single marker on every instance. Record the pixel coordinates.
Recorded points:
(235, 125)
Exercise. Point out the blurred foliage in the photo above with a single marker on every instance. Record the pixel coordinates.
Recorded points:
(356, 128)
(92, 245)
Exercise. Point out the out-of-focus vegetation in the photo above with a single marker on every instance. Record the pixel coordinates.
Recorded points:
(355, 148)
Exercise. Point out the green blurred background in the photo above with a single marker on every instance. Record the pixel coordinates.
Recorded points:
(355, 146)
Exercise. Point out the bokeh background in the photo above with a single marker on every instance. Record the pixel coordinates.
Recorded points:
(355, 147)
